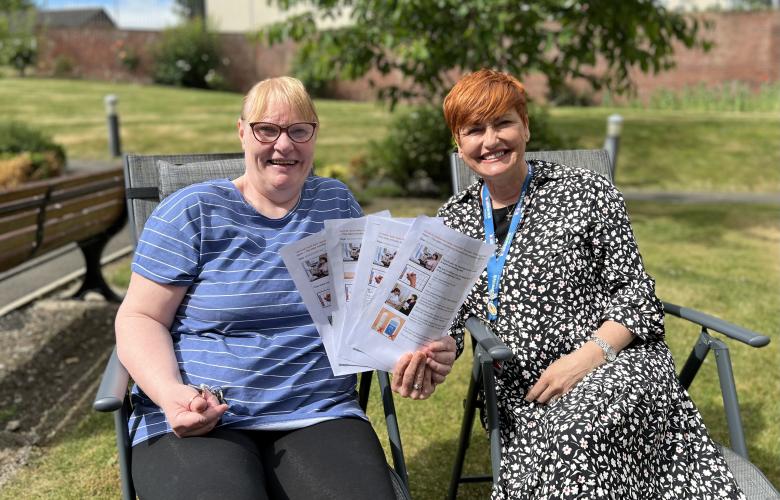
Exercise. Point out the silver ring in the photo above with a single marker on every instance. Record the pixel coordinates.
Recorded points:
(553, 400)
(416, 387)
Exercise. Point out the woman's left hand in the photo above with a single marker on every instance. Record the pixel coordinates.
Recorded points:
(441, 356)
(561, 376)
(417, 374)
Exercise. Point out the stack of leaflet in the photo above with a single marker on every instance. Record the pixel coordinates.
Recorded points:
(378, 287)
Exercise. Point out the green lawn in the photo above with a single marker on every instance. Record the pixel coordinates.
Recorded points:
(156, 119)
(660, 149)
(722, 259)
(685, 151)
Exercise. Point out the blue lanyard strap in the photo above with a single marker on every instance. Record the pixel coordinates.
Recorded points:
(495, 266)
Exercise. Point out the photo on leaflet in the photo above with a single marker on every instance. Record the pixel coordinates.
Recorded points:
(316, 268)
(402, 298)
(427, 257)
(388, 323)
(350, 252)
(375, 278)
(414, 277)
(324, 298)
(384, 256)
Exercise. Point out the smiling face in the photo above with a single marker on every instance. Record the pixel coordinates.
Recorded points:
(281, 165)
(495, 147)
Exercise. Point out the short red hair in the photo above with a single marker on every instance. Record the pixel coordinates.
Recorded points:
(481, 96)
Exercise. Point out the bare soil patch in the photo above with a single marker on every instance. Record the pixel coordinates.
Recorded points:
(52, 355)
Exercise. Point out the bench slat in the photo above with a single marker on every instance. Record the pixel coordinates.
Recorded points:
(45, 215)
(12, 222)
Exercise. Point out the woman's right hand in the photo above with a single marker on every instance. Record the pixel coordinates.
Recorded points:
(192, 413)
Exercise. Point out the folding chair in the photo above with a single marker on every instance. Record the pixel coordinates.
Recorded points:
(149, 179)
(488, 349)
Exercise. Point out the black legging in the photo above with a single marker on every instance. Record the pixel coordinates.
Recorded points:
(339, 459)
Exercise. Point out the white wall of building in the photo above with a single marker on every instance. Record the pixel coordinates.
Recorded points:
(240, 16)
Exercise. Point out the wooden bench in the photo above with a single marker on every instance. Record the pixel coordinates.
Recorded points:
(86, 209)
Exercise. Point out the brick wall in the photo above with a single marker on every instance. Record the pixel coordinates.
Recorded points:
(746, 48)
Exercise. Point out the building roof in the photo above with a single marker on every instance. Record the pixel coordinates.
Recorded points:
(75, 18)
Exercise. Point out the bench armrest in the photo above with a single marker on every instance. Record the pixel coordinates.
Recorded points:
(485, 337)
(730, 330)
(113, 386)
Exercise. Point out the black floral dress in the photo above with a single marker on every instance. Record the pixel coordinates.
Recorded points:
(628, 429)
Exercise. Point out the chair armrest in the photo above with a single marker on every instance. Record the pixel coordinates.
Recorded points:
(113, 386)
(485, 337)
(730, 330)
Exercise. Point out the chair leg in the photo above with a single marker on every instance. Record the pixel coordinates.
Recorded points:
(393, 432)
(364, 389)
(125, 450)
(469, 409)
(729, 393)
(491, 404)
(695, 359)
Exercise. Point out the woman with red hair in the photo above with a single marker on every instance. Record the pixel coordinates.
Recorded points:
(589, 406)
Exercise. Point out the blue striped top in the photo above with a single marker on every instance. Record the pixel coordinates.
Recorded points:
(242, 324)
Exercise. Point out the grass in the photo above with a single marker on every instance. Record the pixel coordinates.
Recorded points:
(730, 96)
(685, 151)
(721, 259)
(660, 149)
(157, 119)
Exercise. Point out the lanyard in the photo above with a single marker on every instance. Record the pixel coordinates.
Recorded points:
(495, 266)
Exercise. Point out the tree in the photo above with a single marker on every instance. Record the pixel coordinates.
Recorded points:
(430, 41)
(18, 44)
(190, 9)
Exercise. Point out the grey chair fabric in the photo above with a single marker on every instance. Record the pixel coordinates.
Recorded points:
(592, 159)
(176, 176)
(142, 176)
(749, 477)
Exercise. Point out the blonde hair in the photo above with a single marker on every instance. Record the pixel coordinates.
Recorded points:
(284, 90)
(482, 96)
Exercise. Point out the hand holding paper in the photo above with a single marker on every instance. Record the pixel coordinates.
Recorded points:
(391, 308)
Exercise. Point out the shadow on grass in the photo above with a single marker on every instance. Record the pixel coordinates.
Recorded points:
(436, 461)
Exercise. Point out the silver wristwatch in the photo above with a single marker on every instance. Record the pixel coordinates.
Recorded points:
(609, 353)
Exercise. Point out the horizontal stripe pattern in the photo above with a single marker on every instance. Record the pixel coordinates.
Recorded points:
(242, 324)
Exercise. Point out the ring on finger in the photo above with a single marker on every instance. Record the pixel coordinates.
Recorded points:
(416, 387)
(189, 403)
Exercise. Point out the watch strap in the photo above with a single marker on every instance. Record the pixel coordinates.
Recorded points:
(609, 351)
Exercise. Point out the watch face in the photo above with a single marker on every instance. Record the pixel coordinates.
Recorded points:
(610, 356)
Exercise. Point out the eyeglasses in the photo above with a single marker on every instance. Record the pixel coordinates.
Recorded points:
(266, 132)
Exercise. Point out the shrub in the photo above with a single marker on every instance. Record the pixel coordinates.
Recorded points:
(415, 154)
(417, 140)
(63, 66)
(26, 155)
(187, 56)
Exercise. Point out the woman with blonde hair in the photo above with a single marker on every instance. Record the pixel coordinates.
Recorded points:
(234, 395)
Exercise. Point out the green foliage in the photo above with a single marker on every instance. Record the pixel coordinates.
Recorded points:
(418, 145)
(63, 66)
(190, 9)
(18, 138)
(18, 45)
(425, 40)
(416, 140)
(27, 154)
(187, 56)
